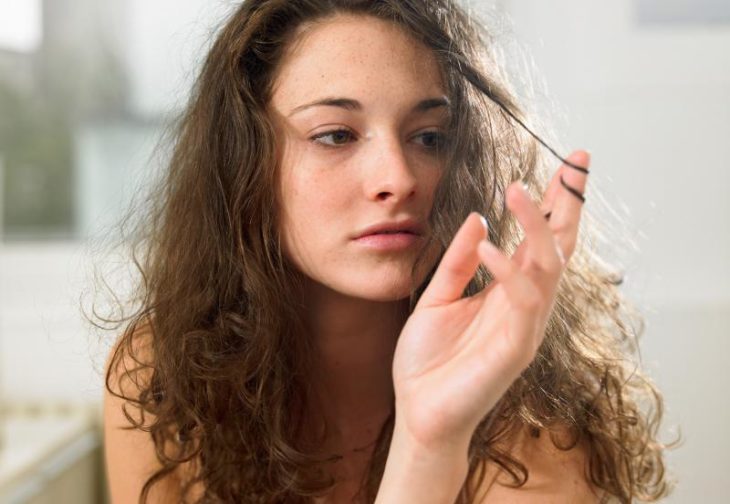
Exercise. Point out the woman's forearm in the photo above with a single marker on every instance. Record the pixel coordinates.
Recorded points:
(423, 474)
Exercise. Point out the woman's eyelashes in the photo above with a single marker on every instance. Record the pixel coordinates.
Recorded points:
(337, 138)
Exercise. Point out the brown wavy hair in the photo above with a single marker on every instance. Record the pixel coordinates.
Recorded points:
(217, 361)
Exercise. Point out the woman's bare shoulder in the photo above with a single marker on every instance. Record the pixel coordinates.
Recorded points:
(555, 475)
(129, 453)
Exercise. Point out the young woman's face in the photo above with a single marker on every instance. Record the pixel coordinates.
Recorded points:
(368, 157)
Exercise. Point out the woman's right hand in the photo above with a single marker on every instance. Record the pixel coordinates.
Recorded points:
(457, 356)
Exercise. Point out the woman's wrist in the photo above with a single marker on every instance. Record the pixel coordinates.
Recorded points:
(423, 473)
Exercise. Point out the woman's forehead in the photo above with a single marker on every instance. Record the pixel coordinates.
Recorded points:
(362, 55)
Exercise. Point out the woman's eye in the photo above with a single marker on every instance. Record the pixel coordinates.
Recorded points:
(338, 137)
(433, 139)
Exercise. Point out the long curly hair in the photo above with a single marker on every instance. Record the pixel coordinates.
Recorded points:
(212, 344)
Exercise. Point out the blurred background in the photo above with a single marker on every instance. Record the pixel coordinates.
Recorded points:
(86, 88)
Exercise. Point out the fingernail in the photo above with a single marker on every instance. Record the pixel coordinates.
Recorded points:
(588, 155)
(484, 221)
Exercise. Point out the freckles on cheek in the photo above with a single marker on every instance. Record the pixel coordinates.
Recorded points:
(320, 195)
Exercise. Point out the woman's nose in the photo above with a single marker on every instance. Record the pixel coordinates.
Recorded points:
(391, 175)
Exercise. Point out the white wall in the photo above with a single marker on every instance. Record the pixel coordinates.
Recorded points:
(652, 104)
(46, 352)
(20, 25)
(167, 41)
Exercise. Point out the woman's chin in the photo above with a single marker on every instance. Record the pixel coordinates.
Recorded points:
(385, 296)
(383, 289)
(390, 282)
(377, 283)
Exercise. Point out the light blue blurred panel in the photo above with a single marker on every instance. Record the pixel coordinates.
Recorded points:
(114, 162)
(683, 11)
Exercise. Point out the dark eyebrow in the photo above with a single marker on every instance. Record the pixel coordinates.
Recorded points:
(350, 104)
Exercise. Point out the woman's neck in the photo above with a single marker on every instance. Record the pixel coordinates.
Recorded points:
(354, 341)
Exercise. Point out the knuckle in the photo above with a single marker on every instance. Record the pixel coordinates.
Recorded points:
(561, 257)
(552, 264)
(522, 355)
(531, 300)
(529, 355)
(514, 351)
(560, 261)
(454, 269)
(560, 226)
(569, 248)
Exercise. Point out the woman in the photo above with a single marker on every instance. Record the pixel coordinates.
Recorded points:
(324, 314)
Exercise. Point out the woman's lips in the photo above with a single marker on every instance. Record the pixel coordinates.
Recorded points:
(388, 241)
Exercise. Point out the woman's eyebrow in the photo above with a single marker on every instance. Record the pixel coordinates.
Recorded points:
(350, 104)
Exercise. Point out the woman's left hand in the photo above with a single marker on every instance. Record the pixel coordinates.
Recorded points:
(456, 356)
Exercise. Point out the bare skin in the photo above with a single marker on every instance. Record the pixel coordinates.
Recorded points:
(347, 167)
(382, 168)
(384, 171)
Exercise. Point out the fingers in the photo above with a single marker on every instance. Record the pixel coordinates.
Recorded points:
(548, 200)
(568, 203)
(458, 264)
(541, 248)
(522, 293)
(557, 183)
(520, 289)
(548, 243)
